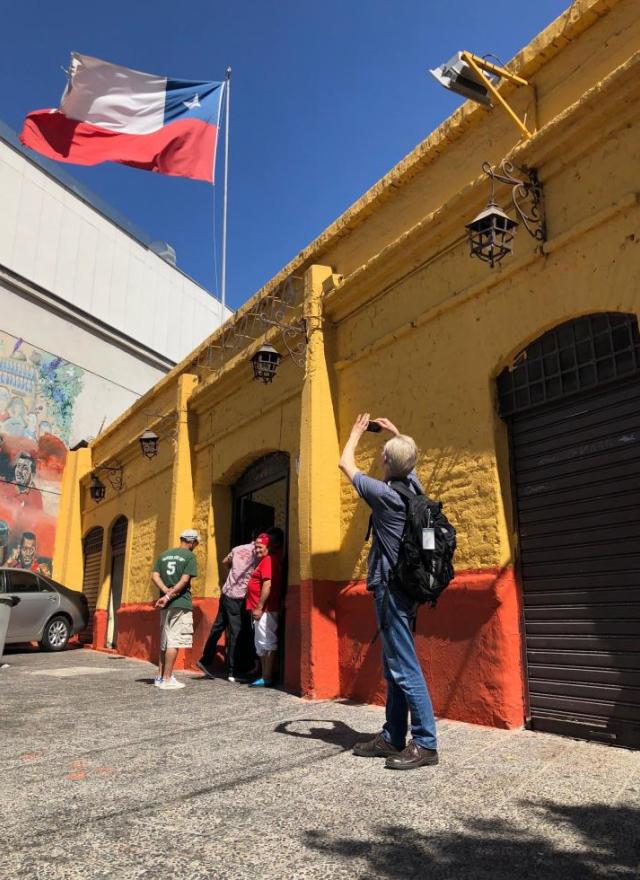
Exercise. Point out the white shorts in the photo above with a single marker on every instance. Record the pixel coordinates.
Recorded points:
(176, 628)
(265, 633)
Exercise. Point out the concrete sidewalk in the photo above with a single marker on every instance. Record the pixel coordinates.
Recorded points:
(104, 776)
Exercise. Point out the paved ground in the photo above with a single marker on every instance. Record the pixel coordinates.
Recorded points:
(103, 776)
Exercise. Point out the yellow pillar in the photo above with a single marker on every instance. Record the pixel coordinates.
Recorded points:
(318, 502)
(182, 496)
(67, 557)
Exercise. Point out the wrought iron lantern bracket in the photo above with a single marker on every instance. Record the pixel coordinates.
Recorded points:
(526, 195)
(115, 474)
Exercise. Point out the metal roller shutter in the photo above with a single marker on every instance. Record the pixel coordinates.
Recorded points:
(91, 575)
(576, 481)
(119, 536)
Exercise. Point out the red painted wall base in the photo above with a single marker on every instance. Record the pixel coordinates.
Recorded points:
(139, 632)
(469, 645)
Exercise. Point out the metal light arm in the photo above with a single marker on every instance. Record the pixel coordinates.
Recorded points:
(478, 65)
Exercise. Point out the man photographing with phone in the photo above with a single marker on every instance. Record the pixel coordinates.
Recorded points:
(407, 692)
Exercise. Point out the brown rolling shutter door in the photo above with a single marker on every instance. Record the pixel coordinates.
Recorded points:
(119, 536)
(577, 472)
(576, 475)
(91, 575)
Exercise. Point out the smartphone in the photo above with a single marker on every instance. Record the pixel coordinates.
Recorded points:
(374, 427)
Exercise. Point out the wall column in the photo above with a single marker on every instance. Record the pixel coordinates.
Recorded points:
(318, 505)
(182, 495)
(68, 562)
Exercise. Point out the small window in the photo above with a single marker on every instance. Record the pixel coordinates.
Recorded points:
(45, 586)
(21, 582)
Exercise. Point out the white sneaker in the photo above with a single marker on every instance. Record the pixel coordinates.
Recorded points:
(172, 685)
(157, 680)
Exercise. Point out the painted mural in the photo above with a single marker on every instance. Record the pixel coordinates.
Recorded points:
(38, 392)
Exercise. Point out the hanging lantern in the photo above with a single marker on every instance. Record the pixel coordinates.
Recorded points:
(97, 490)
(265, 363)
(490, 234)
(149, 444)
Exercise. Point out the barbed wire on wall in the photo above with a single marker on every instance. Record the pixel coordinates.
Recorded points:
(280, 308)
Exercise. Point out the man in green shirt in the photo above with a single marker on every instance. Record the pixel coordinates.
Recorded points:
(172, 575)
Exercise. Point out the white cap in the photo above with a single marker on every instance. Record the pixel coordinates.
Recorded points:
(189, 535)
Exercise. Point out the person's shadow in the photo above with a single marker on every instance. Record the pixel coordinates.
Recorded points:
(338, 734)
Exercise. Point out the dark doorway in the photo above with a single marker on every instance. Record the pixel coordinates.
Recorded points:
(260, 501)
(572, 404)
(118, 550)
(92, 558)
(251, 518)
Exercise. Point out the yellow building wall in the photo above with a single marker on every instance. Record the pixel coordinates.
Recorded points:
(416, 331)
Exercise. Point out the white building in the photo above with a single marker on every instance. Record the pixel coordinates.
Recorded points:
(85, 328)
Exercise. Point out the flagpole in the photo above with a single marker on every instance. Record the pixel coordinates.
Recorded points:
(223, 284)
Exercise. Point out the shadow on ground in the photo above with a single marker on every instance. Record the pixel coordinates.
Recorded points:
(604, 843)
(335, 733)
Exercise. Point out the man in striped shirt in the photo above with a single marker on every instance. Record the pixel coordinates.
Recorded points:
(232, 615)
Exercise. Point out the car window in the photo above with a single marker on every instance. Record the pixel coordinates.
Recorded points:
(21, 582)
(1, 582)
(45, 587)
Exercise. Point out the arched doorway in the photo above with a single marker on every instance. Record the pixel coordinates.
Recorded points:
(118, 549)
(572, 404)
(92, 559)
(260, 501)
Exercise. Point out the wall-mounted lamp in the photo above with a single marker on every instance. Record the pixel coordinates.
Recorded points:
(149, 442)
(115, 475)
(477, 79)
(265, 363)
(97, 490)
(491, 232)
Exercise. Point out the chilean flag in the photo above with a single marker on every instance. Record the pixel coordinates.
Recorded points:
(109, 113)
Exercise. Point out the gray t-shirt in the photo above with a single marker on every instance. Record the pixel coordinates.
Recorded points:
(388, 512)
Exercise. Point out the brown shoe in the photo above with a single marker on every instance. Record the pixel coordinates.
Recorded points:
(411, 758)
(378, 747)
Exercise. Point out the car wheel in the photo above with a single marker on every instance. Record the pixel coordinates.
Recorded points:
(56, 634)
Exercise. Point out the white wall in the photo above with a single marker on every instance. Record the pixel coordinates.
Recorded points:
(114, 377)
(53, 238)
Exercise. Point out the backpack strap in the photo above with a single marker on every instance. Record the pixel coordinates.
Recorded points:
(369, 528)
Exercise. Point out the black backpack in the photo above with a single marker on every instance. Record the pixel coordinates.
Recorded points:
(423, 574)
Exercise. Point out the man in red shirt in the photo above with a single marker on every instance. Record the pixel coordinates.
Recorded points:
(263, 602)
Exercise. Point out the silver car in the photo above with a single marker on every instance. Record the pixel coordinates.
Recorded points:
(47, 613)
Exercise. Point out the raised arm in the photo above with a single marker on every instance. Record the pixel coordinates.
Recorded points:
(347, 463)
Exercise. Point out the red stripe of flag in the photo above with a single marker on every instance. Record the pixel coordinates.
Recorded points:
(185, 148)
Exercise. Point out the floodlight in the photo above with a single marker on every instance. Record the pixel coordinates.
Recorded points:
(459, 77)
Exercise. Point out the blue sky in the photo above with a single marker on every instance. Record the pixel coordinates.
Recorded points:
(326, 98)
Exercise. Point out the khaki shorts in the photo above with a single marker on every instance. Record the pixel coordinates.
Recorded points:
(176, 628)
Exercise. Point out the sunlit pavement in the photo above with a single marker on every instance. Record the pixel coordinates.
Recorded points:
(104, 776)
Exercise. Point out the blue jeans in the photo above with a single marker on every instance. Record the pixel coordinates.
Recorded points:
(406, 688)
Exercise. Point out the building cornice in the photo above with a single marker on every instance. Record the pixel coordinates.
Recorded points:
(54, 304)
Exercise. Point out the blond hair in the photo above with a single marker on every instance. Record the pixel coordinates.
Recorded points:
(401, 454)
